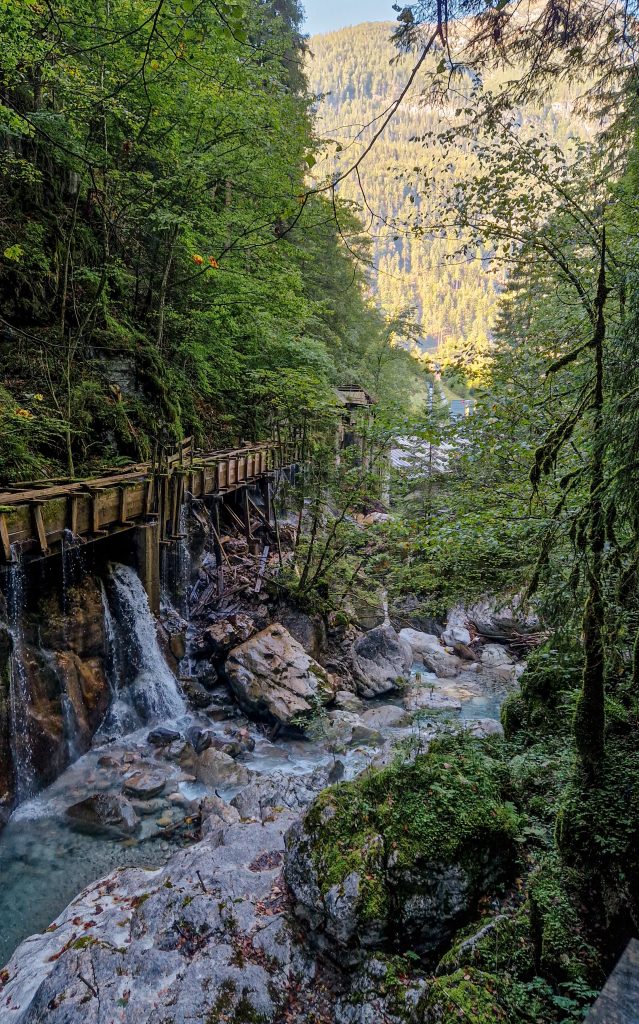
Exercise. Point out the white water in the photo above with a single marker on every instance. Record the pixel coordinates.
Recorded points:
(19, 700)
(152, 686)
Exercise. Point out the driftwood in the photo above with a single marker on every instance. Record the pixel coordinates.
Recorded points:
(262, 569)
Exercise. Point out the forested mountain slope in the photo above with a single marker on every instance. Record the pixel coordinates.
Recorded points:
(357, 73)
(157, 277)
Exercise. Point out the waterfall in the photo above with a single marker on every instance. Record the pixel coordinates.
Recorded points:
(176, 569)
(19, 697)
(73, 565)
(141, 665)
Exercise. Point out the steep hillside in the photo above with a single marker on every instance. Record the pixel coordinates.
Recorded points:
(356, 73)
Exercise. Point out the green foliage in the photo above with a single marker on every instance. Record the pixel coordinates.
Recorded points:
(160, 265)
(468, 995)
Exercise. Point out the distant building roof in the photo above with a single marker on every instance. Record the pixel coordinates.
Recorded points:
(354, 395)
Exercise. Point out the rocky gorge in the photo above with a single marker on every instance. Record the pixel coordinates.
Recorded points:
(199, 767)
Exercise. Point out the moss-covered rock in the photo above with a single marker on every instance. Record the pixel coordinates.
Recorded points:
(501, 943)
(561, 952)
(598, 836)
(468, 995)
(402, 856)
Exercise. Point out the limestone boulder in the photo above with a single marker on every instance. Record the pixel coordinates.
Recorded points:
(381, 661)
(496, 660)
(500, 618)
(427, 648)
(274, 679)
(104, 813)
(401, 856)
(162, 737)
(308, 630)
(222, 636)
(453, 635)
(217, 770)
(145, 785)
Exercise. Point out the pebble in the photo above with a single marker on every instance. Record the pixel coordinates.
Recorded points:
(144, 785)
(106, 761)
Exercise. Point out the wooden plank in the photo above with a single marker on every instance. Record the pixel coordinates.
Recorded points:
(96, 523)
(260, 515)
(262, 568)
(39, 527)
(246, 514)
(148, 497)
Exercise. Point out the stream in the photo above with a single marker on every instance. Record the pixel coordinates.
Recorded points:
(45, 861)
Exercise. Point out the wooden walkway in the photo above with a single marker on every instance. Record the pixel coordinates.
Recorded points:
(36, 517)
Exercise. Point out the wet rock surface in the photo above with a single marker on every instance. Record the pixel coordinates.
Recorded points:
(108, 813)
(428, 649)
(208, 937)
(144, 785)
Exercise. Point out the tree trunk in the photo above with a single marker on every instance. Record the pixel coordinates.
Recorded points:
(589, 724)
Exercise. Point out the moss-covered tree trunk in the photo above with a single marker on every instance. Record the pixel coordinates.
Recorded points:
(589, 717)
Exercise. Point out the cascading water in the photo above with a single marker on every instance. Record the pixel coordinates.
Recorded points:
(73, 565)
(19, 697)
(176, 569)
(152, 686)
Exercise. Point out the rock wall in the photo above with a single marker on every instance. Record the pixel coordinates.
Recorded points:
(63, 660)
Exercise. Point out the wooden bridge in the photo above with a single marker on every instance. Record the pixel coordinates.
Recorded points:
(36, 518)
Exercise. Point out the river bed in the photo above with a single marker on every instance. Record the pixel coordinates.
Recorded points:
(44, 862)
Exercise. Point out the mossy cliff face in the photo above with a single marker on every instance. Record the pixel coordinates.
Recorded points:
(402, 856)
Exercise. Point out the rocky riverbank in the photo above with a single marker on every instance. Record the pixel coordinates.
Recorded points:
(203, 815)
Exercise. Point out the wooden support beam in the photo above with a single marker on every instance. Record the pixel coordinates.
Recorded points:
(267, 498)
(148, 497)
(164, 504)
(122, 514)
(4, 540)
(73, 507)
(235, 519)
(147, 554)
(96, 521)
(260, 515)
(39, 527)
(245, 503)
(262, 568)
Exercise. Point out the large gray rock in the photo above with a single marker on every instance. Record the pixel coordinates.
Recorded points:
(274, 678)
(391, 873)
(205, 938)
(427, 648)
(501, 618)
(456, 634)
(216, 769)
(309, 631)
(381, 661)
(106, 813)
(145, 785)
